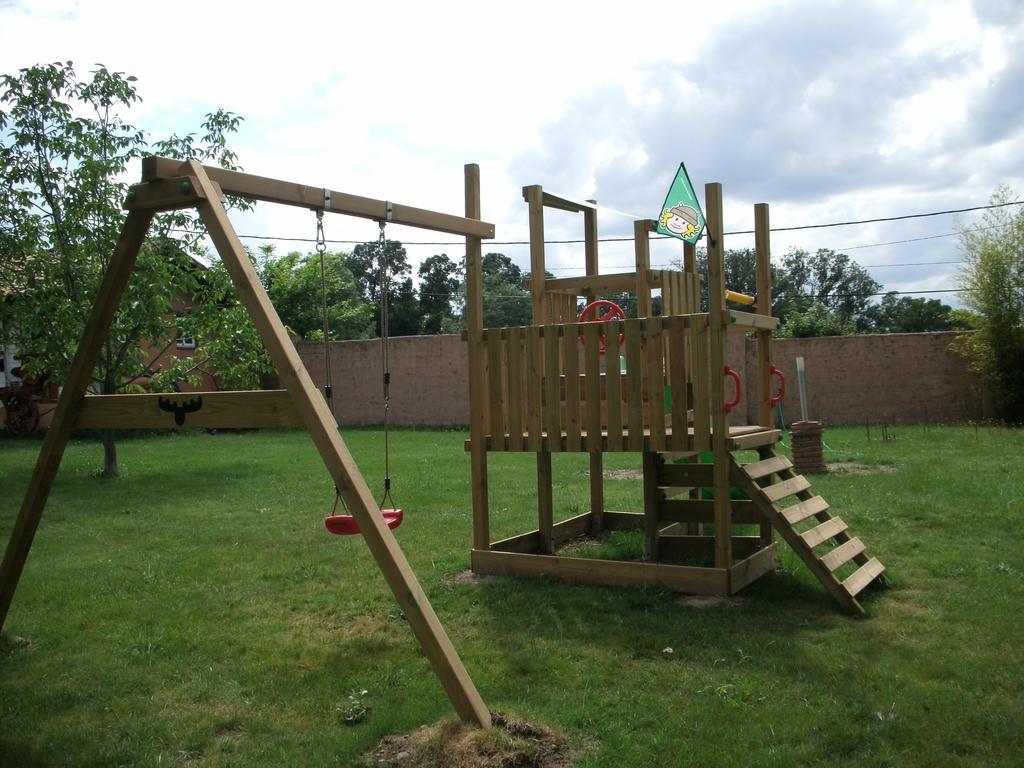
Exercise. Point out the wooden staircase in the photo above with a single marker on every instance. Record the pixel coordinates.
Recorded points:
(807, 525)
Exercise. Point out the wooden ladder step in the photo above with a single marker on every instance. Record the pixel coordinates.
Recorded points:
(760, 469)
(842, 554)
(823, 532)
(786, 488)
(863, 576)
(803, 510)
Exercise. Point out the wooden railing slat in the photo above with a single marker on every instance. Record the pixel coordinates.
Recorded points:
(534, 375)
(571, 366)
(496, 377)
(552, 395)
(514, 387)
(656, 382)
(592, 363)
(677, 382)
(634, 385)
(613, 385)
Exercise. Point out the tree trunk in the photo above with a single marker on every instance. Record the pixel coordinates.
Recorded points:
(110, 468)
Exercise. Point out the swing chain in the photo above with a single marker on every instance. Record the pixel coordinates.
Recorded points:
(321, 242)
(384, 322)
(321, 249)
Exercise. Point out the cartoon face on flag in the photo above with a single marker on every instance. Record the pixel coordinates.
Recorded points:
(681, 215)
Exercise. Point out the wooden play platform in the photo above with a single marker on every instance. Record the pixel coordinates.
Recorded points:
(653, 385)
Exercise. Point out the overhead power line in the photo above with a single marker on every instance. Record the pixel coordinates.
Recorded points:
(666, 237)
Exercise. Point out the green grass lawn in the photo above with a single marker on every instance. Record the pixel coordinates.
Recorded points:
(195, 612)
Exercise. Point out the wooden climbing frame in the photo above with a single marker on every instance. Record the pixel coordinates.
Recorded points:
(652, 385)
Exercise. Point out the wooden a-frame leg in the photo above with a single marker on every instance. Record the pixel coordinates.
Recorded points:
(70, 403)
(317, 418)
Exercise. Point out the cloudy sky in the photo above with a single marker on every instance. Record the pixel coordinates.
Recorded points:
(829, 111)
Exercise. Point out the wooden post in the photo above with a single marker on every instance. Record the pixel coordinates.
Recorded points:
(545, 503)
(594, 438)
(651, 524)
(590, 244)
(339, 462)
(762, 247)
(534, 196)
(765, 412)
(477, 390)
(642, 249)
(70, 403)
(716, 340)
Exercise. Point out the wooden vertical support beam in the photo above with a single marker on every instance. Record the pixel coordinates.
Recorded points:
(590, 243)
(642, 248)
(762, 247)
(477, 361)
(69, 405)
(534, 196)
(545, 503)
(690, 268)
(515, 389)
(592, 392)
(317, 418)
(765, 413)
(651, 523)
(716, 342)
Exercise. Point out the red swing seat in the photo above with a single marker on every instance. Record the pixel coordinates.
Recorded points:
(346, 525)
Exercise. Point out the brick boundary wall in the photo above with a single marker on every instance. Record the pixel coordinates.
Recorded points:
(906, 377)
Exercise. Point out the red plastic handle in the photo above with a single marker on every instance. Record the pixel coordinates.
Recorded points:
(739, 384)
(777, 397)
(614, 313)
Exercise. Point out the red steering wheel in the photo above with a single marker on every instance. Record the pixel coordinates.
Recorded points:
(612, 311)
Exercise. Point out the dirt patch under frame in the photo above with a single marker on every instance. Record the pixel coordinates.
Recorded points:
(509, 743)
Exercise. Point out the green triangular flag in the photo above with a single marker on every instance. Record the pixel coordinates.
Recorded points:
(681, 215)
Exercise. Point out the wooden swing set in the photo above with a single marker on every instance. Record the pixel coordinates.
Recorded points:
(169, 185)
(653, 385)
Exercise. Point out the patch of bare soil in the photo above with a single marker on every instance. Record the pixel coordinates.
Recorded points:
(853, 468)
(710, 601)
(509, 743)
(466, 577)
(572, 547)
(623, 474)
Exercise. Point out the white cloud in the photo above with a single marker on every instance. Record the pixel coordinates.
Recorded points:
(827, 110)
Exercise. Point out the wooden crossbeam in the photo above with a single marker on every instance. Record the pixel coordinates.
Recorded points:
(211, 410)
(289, 193)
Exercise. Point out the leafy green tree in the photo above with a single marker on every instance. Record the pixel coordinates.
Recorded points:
(294, 286)
(403, 306)
(992, 281)
(506, 301)
(440, 278)
(816, 320)
(64, 150)
(911, 314)
(828, 279)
